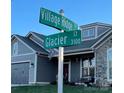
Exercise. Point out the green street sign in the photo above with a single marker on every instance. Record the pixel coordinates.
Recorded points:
(63, 39)
(57, 21)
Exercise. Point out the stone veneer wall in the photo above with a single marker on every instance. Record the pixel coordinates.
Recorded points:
(101, 64)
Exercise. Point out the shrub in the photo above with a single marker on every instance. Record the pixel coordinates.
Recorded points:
(53, 83)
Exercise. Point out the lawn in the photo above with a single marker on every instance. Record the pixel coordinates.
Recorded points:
(53, 89)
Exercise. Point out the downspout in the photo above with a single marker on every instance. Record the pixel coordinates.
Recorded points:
(35, 68)
(95, 65)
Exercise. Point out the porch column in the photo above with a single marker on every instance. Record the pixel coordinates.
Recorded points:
(80, 67)
(88, 68)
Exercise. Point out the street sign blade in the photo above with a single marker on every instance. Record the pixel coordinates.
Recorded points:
(57, 21)
(49, 18)
(63, 39)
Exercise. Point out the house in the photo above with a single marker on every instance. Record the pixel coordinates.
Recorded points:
(32, 63)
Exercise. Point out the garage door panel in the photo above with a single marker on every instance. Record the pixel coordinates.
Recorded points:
(20, 73)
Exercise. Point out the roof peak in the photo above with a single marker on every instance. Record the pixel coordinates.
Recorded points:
(36, 33)
(94, 24)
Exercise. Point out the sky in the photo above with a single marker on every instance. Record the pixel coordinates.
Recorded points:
(25, 14)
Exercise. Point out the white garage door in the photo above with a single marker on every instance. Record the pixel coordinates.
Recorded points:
(20, 73)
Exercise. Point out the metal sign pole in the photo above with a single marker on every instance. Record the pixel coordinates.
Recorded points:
(60, 64)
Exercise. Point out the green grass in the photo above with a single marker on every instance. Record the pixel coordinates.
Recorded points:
(53, 89)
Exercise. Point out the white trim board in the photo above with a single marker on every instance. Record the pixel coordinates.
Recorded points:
(35, 68)
(77, 50)
(89, 27)
(33, 83)
(75, 53)
(24, 61)
(30, 84)
(96, 31)
(23, 54)
(37, 37)
(18, 85)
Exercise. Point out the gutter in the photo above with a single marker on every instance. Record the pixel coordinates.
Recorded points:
(76, 53)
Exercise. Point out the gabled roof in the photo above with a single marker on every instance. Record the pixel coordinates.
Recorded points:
(40, 37)
(31, 44)
(88, 44)
(95, 24)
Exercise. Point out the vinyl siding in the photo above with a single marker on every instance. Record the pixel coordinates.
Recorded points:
(75, 71)
(22, 49)
(46, 70)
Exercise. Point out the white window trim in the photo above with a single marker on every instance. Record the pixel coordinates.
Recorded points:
(108, 79)
(96, 31)
(88, 33)
(81, 66)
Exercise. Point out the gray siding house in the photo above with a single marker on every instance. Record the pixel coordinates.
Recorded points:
(91, 61)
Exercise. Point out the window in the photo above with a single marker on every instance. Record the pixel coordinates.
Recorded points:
(88, 33)
(109, 64)
(15, 49)
(91, 32)
(85, 68)
(85, 33)
(88, 68)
